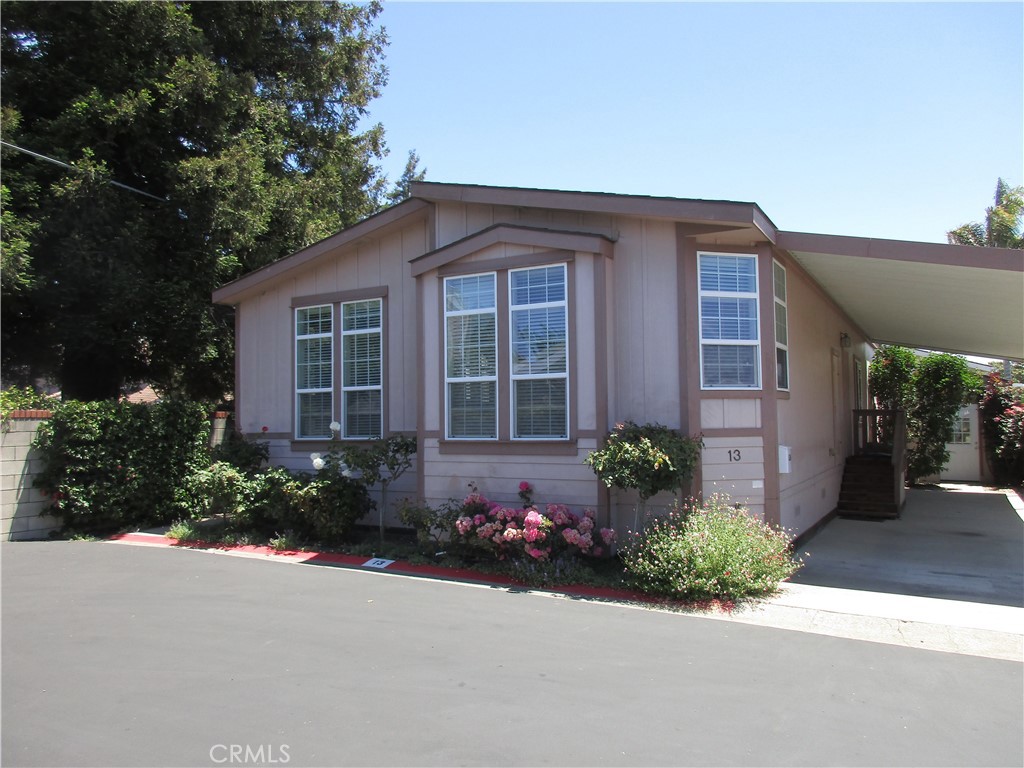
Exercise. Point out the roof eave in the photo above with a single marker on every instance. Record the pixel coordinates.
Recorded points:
(396, 215)
(676, 209)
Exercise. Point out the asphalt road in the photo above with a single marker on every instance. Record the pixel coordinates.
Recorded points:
(118, 655)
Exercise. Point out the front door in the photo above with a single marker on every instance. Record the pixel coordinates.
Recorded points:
(964, 462)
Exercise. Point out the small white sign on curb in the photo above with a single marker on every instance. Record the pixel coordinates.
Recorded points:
(377, 562)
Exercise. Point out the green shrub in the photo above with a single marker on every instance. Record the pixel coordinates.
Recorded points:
(1002, 423)
(433, 527)
(21, 399)
(649, 458)
(709, 550)
(249, 456)
(219, 490)
(327, 505)
(109, 465)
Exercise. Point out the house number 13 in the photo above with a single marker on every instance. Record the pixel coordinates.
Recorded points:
(734, 455)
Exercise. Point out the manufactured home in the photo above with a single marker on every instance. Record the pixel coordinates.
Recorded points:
(510, 329)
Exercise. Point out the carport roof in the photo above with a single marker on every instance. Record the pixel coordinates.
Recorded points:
(950, 298)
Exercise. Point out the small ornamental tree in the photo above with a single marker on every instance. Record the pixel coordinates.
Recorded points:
(942, 384)
(648, 458)
(1002, 424)
(891, 377)
(383, 462)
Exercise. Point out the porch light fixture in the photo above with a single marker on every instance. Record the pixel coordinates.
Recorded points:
(844, 341)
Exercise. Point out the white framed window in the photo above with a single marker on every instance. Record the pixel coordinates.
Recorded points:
(539, 353)
(729, 321)
(314, 371)
(471, 357)
(960, 433)
(362, 413)
(781, 327)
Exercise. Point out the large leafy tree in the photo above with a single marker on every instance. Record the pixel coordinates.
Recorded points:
(931, 390)
(206, 139)
(1002, 226)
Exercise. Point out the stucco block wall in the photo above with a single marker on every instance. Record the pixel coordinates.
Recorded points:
(22, 507)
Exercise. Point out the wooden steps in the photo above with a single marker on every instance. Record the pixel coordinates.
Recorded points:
(869, 488)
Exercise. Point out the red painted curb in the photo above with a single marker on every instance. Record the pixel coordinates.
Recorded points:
(358, 562)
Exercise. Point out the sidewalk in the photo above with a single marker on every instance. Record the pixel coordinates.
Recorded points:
(976, 629)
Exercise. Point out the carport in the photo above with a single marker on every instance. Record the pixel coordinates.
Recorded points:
(957, 542)
(954, 542)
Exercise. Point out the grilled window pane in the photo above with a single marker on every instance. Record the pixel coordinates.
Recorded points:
(781, 324)
(315, 414)
(362, 360)
(472, 346)
(730, 366)
(781, 368)
(363, 413)
(541, 408)
(779, 273)
(539, 341)
(728, 319)
(361, 315)
(730, 274)
(313, 363)
(538, 286)
(473, 409)
(469, 293)
(313, 320)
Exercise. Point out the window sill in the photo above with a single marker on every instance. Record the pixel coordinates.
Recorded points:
(508, 447)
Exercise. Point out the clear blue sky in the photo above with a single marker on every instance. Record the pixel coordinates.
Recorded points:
(873, 119)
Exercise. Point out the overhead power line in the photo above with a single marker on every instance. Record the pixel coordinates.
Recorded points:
(62, 164)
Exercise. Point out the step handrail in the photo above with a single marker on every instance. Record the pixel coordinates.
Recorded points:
(883, 432)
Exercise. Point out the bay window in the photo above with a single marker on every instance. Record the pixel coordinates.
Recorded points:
(532, 386)
(539, 347)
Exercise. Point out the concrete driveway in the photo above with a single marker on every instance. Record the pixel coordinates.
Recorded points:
(953, 542)
(122, 655)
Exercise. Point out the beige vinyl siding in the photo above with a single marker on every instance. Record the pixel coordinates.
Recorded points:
(645, 322)
(555, 479)
(730, 413)
(811, 489)
(266, 323)
(735, 466)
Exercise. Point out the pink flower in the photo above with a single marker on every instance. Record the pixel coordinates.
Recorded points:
(586, 525)
(264, 428)
(608, 535)
(537, 554)
(533, 519)
(524, 487)
(479, 520)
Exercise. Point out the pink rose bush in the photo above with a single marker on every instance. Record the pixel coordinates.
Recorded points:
(512, 533)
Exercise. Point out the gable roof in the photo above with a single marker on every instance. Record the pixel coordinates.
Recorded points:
(717, 215)
(515, 234)
(954, 298)
(396, 215)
